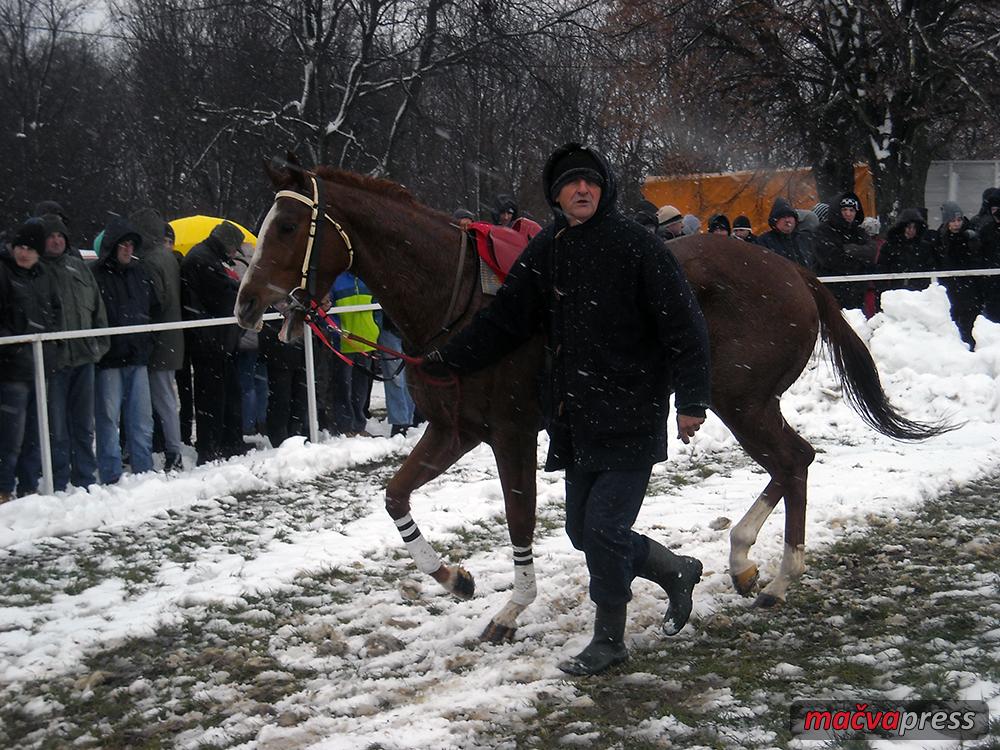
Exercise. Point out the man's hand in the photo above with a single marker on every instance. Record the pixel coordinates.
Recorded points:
(433, 366)
(687, 427)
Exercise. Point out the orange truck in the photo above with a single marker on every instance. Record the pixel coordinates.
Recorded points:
(750, 193)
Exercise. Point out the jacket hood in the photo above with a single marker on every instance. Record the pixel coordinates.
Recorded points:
(609, 193)
(117, 230)
(907, 216)
(148, 223)
(808, 221)
(503, 203)
(836, 218)
(991, 197)
(781, 208)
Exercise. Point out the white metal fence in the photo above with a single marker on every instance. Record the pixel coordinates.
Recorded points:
(37, 339)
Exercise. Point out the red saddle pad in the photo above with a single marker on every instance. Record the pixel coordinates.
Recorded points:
(500, 247)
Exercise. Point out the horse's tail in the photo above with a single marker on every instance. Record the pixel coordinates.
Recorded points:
(858, 374)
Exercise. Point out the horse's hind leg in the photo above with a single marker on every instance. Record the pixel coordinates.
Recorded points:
(786, 456)
(515, 457)
(433, 454)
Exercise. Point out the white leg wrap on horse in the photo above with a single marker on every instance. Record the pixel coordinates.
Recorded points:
(793, 565)
(525, 590)
(420, 550)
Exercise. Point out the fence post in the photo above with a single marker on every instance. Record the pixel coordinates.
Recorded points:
(42, 407)
(310, 383)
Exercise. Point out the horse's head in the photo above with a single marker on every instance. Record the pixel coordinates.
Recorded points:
(293, 227)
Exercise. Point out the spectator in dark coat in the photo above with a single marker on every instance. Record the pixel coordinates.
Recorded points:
(645, 216)
(719, 224)
(29, 303)
(504, 210)
(168, 346)
(991, 199)
(842, 248)
(908, 247)
(210, 285)
(122, 378)
(287, 406)
(71, 387)
(605, 398)
(669, 222)
(989, 239)
(955, 247)
(784, 238)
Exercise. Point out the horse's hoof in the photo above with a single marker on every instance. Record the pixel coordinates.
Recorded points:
(496, 634)
(744, 582)
(463, 585)
(767, 601)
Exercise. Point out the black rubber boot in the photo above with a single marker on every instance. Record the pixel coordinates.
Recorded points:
(677, 575)
(607, 647)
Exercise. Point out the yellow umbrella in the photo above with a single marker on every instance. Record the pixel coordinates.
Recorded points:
(191, 230)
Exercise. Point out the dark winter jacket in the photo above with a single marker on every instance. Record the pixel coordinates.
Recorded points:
(791, 246)
(165, 274)
(276, 354)
(991, 197)
(128, 297)
(209, 285)
(82, 308)
(843, 249)
(899, 254)
(622, 326)
(959, 251)
(29, 303)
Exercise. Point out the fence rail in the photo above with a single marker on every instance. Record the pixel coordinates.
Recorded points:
(37, 339)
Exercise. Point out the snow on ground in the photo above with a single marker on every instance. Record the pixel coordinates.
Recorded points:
(925, 368)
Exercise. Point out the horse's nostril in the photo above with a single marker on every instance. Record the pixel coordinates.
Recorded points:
(246, 310)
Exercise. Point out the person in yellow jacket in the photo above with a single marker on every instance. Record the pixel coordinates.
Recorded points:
(349, 386)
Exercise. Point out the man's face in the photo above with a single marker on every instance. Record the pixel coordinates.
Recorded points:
(25, 256)
(848, 213)
(55, 245)
(741, 234)
(720, 230)
(464, 223)
(124, 251)
(578, 200)
(911, 231)
(785, 225)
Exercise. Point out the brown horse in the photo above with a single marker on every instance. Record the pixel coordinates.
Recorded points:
(763, 315)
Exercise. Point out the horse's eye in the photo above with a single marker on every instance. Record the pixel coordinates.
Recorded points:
(286, 227)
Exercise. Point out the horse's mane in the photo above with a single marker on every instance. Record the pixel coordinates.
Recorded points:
(385, 188)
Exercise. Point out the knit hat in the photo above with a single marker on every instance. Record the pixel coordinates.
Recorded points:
(574, 165)
(691, 224)
(822, 211)
(950, 211)
(667, 215)
(742, 222)
(849, 201)
(228, 234)
(31, 234)
(462, 213)
(50, 207)
(54, 225)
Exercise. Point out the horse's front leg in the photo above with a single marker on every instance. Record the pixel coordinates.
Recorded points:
(793, 563)
(433, 454)
(515, 457)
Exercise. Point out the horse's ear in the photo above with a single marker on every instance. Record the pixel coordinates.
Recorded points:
(285, 172)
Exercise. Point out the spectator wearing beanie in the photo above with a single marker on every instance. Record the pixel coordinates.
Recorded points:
(784, 238)
(690, 224)
(210, 284)
(842, 248)
(742, 229)
(956, 247)
(122, 393)
(670, 222)
(29, 303)
(71, 386)
(719, 224)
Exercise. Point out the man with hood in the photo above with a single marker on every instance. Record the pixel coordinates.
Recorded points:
(842, 248)
(168, 346)
(907, 247)
(784, 237)
(122, 381)
(989, 238)
(605, 396)
(210, 285)
(504, 211)
(71, 386)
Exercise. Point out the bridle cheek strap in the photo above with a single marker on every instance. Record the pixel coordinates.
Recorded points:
(308, 266)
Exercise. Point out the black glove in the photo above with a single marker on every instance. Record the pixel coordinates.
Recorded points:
(434, 366)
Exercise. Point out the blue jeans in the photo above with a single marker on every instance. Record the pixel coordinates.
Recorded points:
(163, 396)
(71, 426)
(601, 507)
(123, 394)
(253, 387)
(398, 402)
(14, 397)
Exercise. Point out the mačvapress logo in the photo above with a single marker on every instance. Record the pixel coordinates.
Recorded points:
(899, 720)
